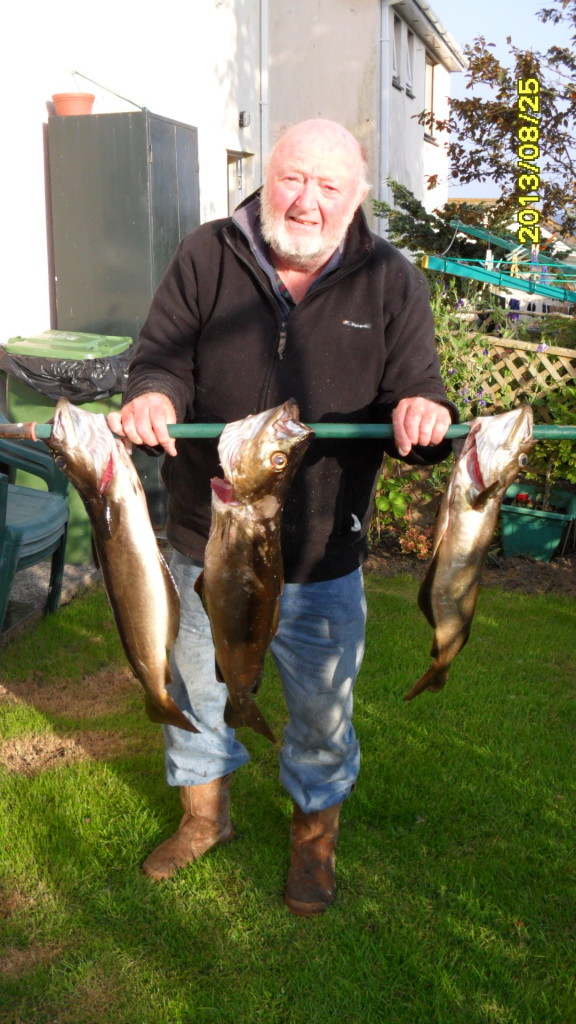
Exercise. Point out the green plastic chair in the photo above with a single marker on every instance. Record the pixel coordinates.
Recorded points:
(33, 522)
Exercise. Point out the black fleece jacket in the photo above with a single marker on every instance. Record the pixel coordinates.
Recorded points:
(217, 342)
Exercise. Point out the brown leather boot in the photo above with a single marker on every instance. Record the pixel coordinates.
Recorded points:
(206, 822)
(311, 884)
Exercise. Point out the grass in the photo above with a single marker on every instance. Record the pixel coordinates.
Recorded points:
(456, 863)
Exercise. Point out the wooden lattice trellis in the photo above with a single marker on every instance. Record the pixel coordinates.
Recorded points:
(523, 370)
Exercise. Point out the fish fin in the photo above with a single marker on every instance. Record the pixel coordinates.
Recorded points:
(425, 593)
(199, 588)
(481, 499)
(434, 680)
(275, 623)
(258, 682)
(232, 716)
(95, 557)
(449, 648)
(443, 516)
(248, 714)
(442, 521)
(167, 713)
(173, 601)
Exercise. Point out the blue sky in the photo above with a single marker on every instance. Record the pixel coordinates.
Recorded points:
(494, 19)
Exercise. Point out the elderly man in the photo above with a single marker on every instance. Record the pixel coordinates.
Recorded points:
(292, 296)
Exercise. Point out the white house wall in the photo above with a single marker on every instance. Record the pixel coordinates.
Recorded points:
(324, 62)
(199, 62)
(435, 160)
(333, 58)
(411, 156)
(195, 61)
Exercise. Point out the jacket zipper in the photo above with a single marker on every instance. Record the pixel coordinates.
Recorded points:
(282, 338)
(283, 334)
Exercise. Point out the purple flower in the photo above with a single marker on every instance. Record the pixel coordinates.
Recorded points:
(484, 351)
(542, 347)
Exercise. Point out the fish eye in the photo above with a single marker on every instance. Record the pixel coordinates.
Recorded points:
(523, 459)
(60, 461)
(278, 460)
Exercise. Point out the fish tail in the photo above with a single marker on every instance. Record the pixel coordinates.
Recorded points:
(167, 713)
(433, 680)
(246, 712)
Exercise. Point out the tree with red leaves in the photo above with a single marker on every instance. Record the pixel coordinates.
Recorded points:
(483, 130)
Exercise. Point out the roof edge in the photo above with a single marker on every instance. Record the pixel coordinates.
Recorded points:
(422, 19)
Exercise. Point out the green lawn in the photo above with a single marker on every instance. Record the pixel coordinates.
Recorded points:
(456, 866)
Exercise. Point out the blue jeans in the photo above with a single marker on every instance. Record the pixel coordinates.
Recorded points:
(318, 650)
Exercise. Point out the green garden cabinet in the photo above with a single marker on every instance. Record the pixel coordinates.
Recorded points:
(123, 191)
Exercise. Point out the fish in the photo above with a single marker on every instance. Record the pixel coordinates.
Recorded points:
(243, 577)
(487, 462)
(139, 586)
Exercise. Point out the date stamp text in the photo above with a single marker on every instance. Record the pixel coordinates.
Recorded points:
(528, 153)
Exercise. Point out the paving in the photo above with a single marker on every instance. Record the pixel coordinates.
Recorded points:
(30, 589)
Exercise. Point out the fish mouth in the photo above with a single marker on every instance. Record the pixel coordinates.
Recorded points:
(280, 423)
(78, 435)
(63, 423)
(68, 429)
(493, 438)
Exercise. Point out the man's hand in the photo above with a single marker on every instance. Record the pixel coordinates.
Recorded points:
(145, 420)
(419, 421)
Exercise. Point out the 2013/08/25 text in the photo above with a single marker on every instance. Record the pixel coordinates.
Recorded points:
(528, 152)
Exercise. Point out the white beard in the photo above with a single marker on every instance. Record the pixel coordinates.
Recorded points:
(299, 253)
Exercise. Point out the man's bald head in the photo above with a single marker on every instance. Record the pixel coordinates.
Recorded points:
(332, 139)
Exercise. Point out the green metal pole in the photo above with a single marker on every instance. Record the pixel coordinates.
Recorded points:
(42, 431)
(365, 430)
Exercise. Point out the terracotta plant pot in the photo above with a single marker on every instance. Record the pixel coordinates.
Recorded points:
(66, 103)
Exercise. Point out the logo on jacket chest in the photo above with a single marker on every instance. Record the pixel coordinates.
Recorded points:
(357, 325)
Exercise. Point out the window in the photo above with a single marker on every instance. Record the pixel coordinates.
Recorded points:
(429, 98)
(397, 53)
(409, 64)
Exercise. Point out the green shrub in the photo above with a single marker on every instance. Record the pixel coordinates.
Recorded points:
(407, 499)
